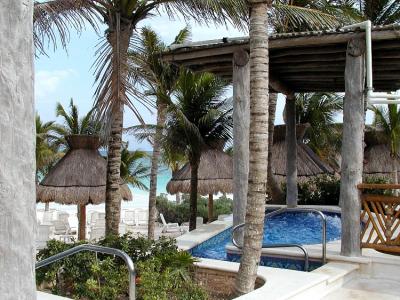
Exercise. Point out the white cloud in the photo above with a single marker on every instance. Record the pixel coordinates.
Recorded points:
(47, 82)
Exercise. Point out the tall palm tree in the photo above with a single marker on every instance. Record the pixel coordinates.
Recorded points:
(159, 79)
(199, 120)
(387, 119)
(258, 140)
(380, 12)
(320, 110)
(133, 170)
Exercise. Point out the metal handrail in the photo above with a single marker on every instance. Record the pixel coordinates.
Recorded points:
(285, 209)
(98, 249)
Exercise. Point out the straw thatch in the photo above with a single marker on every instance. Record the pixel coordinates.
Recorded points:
(308, 163)
(215, 175)
(80, 176)
(377, 159)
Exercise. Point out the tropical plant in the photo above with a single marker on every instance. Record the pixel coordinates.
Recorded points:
(387, 120)
(133, 169)
(199, 119)
(73, 124)
(160, 269)
(319, 110)
(46, 146)
(380, 12)
(159, 79)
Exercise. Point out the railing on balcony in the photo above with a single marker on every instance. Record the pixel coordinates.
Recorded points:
(380, 215)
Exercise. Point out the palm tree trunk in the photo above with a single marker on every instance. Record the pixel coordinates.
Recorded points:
(258, 167)
(275, 191)
(210, 208)
(161, 109)
(194, 166)
(120, 42)
(17, 130)
(82, 222)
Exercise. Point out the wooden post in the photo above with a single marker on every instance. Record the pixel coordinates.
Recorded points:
(241, 131)
(210, 208)
(82, 222)
(352, 148)
(291, 152)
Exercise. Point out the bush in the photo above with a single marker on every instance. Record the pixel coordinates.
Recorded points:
(179, 213)
(321, 190)
(87, 276)
(377, 180)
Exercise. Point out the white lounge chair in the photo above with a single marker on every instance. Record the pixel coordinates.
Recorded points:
(141, 217)
(169, 227)
(97, 233)
(130, 217)
(44, 234)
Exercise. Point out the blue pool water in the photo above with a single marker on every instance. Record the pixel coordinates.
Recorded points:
(299, 228)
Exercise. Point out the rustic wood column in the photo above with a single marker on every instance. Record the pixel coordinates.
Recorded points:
(291, 152)
(241, 130)
(352, 148)
(210, 208)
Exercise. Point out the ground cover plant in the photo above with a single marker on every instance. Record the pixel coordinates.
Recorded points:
(163, 272)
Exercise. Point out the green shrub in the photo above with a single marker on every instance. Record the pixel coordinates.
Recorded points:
(103, 277)
(179, 213)
(377, 180)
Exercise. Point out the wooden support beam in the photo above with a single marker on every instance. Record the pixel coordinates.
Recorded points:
(241, 131)
(352, 148)
(291, 152)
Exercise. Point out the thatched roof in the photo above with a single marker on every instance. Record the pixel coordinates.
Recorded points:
(308, 163)
(377, 159)
(215, 175)
(80, 176)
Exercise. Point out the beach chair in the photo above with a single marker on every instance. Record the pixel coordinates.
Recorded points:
(47, 217)
(129, 217)
(97, 233)
(169, 227)
(44, 234)
(141, 217)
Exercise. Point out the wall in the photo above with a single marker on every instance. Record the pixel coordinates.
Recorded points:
(17, 151)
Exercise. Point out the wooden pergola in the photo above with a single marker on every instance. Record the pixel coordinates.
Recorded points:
(322, 61)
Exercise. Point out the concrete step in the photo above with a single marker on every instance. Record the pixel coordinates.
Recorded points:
(46, 296)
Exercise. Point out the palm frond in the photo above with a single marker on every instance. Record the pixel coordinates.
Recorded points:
(53, 20)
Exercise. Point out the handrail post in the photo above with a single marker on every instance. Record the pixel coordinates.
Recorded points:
(94, 248)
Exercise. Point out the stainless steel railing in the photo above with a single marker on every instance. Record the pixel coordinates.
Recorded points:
(98, 249)
(286, 209)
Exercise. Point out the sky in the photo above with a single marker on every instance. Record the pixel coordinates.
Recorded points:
(63, 75)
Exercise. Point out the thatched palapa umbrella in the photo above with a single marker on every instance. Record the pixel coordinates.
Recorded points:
(377, 158)
(215, 176)
(78, 178)
(308, 163)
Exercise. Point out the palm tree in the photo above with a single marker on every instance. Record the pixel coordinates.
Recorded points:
(258, 140)
(46, 146)
(387, 119)
(73, 124)
(199, 120)
(133, 170)
(380, 12)
(159, 79)
(320, 110)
